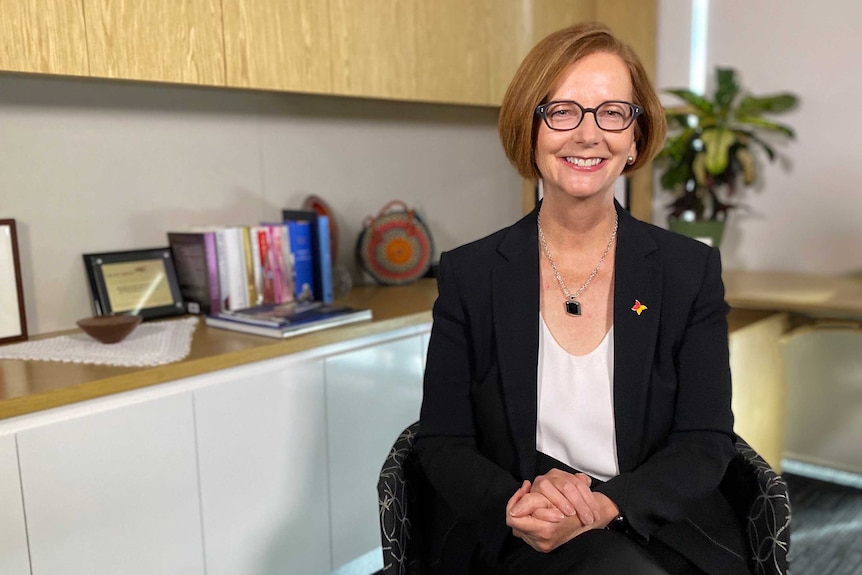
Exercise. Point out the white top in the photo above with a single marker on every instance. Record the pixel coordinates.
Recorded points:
(575, 422)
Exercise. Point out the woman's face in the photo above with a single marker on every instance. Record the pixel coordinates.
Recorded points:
(586, 161)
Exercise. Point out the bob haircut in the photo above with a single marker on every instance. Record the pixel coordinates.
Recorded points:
(541, 71)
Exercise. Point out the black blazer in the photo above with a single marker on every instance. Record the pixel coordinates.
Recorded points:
(672, 391)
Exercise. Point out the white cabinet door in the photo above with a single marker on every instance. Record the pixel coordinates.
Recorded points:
(372, 394)
(262, 457)
(114, 492)
(13, 535)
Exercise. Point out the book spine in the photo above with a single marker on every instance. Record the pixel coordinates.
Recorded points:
(212, 271)
(238, 286)
(248, 259)
(287, 262)
(223, 272)
(190, 252)
(324, 260)
(303, 259)
(276, 254)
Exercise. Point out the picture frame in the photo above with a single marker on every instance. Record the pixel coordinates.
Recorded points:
(13, 319)
(136, 282)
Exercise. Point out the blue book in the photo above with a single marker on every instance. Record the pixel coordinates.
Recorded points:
(285, 320)
(324, 260)
(303, 259)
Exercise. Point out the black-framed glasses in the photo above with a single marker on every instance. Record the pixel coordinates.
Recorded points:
(611, 116)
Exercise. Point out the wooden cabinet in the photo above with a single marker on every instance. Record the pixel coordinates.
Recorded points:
(158, 40)
(453, 51)
(262, 455)
(13, 533)
(278, 44)
(372, 394)
(114, 491)
(43, 36)
(373, 49)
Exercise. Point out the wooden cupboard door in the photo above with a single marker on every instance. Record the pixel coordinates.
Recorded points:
(453, 45)
(114, 491)
(373, 48)
(43, 36)
(510, 39)
(14, 559)
(157, 40)
(263, 471)
(278, 44)
(372, 394)
(552, 15)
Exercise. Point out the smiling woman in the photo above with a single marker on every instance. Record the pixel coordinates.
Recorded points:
(13, 322)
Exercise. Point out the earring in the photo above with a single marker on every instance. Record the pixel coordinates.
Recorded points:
(631, 160)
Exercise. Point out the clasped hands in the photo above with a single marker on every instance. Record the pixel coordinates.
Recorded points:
(556, 508)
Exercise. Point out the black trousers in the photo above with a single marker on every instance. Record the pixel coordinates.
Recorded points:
(596, 552)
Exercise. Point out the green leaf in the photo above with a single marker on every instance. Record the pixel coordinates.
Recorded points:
(700, 103)
(767, 125)
(774, 104)
(727, 88)
(766, 147)
(717, 143)
(676, 147)
(675, 175)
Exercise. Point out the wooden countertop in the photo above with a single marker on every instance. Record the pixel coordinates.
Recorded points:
(818, 296)
(31, 386)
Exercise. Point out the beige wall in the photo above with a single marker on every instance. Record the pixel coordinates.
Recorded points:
(91, 166)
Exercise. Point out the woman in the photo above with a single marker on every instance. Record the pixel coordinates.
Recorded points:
(576, 414)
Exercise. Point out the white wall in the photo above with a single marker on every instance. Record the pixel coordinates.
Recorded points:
(93, 166)
(804, 217)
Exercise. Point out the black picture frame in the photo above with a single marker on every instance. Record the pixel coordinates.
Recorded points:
(13, 319)
(137, 282)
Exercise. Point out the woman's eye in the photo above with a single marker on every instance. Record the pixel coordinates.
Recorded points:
(560, 112)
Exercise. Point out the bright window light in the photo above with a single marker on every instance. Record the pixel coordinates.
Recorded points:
(697, 65)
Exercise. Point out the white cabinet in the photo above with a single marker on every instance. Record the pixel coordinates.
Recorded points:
(262, 457)
(114, 491)
(372, 394)
(263, 469)
(13, 535)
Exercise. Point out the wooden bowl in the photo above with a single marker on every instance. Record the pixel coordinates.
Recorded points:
(109, 328)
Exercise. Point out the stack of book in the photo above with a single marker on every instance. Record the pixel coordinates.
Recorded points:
(272, 279)
(227, 268)
(286, 320)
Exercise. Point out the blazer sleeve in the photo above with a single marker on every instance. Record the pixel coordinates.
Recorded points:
(690, 464)
(475, 489)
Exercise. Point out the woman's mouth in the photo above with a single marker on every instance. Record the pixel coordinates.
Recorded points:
(584, 162)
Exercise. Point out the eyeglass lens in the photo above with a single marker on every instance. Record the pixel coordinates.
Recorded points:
(609, 115)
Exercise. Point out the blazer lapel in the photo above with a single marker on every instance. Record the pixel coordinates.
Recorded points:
(515, 299)
(637, 281)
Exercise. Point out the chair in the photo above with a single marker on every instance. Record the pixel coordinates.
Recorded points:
(756, 492)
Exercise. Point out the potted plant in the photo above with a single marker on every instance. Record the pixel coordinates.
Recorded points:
(710, 151)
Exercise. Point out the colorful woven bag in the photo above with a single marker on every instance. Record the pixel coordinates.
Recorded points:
(395, 247)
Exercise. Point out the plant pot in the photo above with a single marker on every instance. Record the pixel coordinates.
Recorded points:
(708, 232)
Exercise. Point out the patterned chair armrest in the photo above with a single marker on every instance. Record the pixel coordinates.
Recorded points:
(759, 497)
(397, 502)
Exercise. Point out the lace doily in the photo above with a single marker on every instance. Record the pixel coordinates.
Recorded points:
(150, 344)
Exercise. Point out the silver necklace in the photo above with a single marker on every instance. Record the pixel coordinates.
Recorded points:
(573, 306)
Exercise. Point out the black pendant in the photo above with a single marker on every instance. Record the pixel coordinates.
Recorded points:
(573, 307)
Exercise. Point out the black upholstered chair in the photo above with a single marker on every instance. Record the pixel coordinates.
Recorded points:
(758, 494)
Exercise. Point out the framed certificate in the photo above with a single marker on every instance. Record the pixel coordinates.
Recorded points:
(136, 282)
(13, 322)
